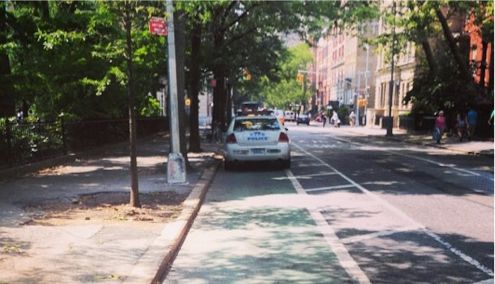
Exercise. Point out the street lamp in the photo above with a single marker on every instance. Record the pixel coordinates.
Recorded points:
(390, 122)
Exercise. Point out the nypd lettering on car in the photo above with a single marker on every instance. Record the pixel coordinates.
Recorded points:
(257, 136)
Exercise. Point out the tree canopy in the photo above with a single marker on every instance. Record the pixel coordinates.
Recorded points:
(67, 57)
(287, 90)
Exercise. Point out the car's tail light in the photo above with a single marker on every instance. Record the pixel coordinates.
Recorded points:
(283, 138)
(231, 139)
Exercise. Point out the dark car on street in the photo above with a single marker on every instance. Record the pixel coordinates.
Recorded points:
(303, 118)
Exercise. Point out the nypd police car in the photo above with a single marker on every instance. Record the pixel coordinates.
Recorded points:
(256, 138)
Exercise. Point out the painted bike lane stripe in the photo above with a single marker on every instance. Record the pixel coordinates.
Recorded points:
(345, 259)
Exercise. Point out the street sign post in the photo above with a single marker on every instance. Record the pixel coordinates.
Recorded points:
(176, 165)
(158, 26)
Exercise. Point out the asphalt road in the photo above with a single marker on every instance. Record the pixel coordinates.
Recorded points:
(351, 209)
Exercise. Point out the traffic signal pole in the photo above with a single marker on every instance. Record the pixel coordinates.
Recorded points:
(176, 166)
(357, 98)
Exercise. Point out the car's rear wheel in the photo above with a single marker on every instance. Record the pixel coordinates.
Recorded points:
(286, 164)
(228, 166)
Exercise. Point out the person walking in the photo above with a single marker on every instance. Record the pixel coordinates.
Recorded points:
(323, 118)
(335, 119)
(352, 118)
(461, 125)
(472, 119)
(439, 127)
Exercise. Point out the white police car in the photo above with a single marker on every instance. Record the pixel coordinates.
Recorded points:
(256, 138)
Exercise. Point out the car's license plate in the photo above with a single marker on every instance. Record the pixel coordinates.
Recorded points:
(258, 151)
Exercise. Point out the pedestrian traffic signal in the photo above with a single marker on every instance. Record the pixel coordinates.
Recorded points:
(246, 76)
(300, 77)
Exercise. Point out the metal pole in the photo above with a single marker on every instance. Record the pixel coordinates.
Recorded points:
(391, 91)
(176, 169)
(357, 98)
(366, 76)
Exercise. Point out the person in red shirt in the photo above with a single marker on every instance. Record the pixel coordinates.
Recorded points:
(440, 126)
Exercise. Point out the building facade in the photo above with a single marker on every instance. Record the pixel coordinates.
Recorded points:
(349, 73)
(390, 103)
(345, 70)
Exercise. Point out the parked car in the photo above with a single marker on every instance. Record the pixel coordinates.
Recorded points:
(249, 107)
(289, 115)
(256, 138)
(280, 115)
(303, 118)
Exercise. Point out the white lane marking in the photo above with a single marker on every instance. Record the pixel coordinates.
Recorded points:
(453, 167)
(404, 216)
(367, 192)
(462, 255)
(345, 259)
(415, 157)
(487, 281)
(308, 165)
(328, 187)
(323, 146)
(316, 175)
(361, 238)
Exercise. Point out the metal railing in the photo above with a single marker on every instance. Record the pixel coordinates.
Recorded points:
(25, 142)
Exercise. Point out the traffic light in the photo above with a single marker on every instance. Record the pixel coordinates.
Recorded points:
(300, 77)
(246, 76)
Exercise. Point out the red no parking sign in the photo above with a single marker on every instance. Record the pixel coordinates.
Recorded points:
(158, 26)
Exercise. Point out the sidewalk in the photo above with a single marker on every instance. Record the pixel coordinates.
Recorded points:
(475, 147)
(89, 252)
(128, 253)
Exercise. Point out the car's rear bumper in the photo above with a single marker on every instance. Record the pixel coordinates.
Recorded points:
(238, 153)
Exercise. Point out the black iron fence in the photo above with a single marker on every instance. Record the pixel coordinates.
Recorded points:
(25, 142)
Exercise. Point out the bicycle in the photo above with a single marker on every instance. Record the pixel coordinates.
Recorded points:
(217, 133)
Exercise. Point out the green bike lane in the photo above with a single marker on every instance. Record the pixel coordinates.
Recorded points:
(254, 227)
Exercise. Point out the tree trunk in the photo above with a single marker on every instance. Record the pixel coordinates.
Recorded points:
(194, 137)
(482, 84)
(463, 67)
(134, 196)
(7, 105)
(490, 81)
(219, 98)
(228, 104)
(429, 57)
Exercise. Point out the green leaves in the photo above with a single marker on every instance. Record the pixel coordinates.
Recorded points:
(288, 90)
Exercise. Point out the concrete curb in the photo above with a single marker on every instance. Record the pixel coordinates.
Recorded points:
(157, 259)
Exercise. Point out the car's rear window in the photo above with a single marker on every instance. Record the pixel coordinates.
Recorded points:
(256, 124)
